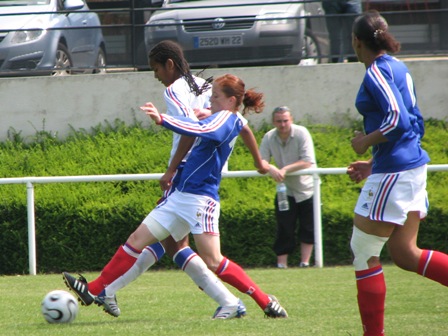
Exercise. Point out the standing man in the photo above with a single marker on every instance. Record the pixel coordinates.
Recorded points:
(292, 149)
(339, 15)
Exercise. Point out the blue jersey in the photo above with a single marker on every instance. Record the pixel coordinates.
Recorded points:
(388, 103)
(216, 137)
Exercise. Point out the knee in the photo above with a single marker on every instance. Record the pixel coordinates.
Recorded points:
(366, 249)
(212, 262)
(172, 247)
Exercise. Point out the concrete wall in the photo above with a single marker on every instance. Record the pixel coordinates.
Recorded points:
(318, 94)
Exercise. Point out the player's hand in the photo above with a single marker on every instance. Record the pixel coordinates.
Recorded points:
(166, 180)
(151, 111)
(264, 168)
(359, 170)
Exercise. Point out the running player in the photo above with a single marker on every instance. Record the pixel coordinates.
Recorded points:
(183, 94)
(394, 198)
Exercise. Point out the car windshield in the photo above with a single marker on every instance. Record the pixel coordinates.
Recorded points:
(24, 3)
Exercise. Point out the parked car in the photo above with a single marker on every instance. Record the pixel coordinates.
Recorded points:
(240, 33)
(50, 37)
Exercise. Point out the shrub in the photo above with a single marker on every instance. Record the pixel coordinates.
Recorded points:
(80, 225)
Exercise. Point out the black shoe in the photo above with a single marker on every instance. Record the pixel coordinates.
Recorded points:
(80, 287)
(274, 309)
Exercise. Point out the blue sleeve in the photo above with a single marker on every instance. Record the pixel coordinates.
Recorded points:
(380, 82)
(213, 127)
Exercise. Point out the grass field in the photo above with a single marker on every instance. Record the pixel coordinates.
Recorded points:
(319, 302)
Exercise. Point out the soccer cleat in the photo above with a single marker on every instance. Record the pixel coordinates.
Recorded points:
(80, 287)
(274, 309)
(228, 312)
(109, 304)
(304, 265)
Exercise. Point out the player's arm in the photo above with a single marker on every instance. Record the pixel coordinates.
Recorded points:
(185, 143)
(251, 143)
(362, 142)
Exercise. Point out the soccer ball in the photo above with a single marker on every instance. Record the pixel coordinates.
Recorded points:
(59, 306)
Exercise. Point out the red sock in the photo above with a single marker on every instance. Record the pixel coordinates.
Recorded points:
(234, 275)
(120, 263)
(371, 298)
(434, 265)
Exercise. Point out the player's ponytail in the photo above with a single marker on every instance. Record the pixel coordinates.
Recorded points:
(253, 101)
(232, 86)
(372, 29)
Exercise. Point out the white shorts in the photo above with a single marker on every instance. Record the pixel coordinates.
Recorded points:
(390, 197)
(182, 213)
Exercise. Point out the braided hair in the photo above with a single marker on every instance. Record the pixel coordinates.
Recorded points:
(167, 49)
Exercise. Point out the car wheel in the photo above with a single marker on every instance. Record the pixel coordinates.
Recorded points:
(63, 62)
(100, 64)
(311, 54)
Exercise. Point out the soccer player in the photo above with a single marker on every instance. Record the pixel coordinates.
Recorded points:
(183, 95)
(393, 199)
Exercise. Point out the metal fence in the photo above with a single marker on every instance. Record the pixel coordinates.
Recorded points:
(420, 25)
(30, 181)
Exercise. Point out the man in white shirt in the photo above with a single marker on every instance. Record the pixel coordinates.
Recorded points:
(291, 147)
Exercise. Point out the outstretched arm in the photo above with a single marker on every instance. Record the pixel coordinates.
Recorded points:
(251, 143)
(151, 111)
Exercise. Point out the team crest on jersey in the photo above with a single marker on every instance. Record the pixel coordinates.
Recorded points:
(198, 214)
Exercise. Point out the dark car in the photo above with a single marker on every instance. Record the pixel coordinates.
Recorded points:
(241, 33)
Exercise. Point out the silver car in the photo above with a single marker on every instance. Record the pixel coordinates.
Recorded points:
(240, 33)
(57, 37)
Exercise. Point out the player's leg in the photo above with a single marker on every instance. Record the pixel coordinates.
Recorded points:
(370, 283)
(149, 256)
(148, 232)
(406, 255)
(229, 305)
(230, 272)
(107, 298)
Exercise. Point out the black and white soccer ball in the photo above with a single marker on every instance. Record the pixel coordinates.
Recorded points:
(59, 306)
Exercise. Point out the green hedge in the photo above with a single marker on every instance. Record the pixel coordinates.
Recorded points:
(80, 225)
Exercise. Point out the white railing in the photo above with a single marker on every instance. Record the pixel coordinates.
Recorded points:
(29, 181)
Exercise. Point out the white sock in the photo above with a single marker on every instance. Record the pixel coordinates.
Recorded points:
(205, 279)
(144, 261)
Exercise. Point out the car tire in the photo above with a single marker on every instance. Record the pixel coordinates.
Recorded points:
(311, 53)
(100, 64)
(63, 61)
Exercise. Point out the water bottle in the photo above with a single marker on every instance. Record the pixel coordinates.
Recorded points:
(282, 197)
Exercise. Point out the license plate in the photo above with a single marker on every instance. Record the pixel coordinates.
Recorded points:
(218, 41)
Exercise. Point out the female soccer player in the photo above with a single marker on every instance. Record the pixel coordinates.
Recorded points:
(194, 205)
(183, 94)
(393, 199)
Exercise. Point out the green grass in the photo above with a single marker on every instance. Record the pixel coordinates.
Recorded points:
(319, 302)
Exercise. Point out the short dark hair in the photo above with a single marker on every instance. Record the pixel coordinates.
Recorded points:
(280, 109)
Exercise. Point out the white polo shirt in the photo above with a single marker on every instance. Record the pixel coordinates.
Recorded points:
(298, 147)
